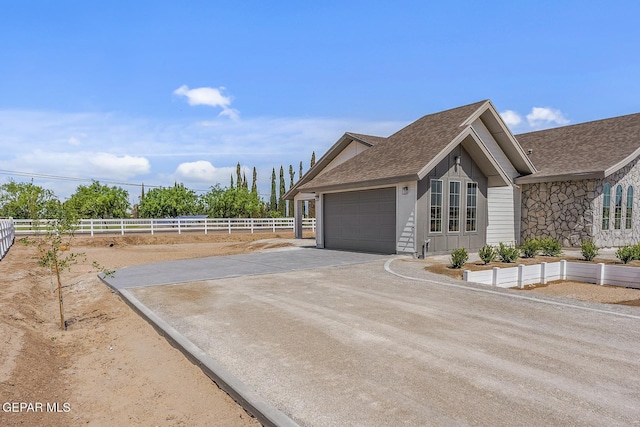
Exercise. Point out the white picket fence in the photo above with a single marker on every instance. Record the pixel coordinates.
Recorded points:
(175, 225)
(7, 236)
(522, 275)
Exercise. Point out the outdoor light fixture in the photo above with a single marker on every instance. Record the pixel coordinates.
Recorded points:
(457, 160)
(405, 190)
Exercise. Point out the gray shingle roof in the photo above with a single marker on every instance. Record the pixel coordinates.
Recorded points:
(369, 139)
(582, 149)
(401, 155)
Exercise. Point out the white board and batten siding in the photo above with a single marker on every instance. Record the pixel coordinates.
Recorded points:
(501, 215)
(503, 203)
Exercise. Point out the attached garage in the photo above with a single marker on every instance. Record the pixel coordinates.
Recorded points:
(361, 220)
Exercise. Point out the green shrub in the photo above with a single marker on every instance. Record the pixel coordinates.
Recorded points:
(550, 247)
(508, 254)
(459, 257)
(589, 250)
(487, 254)
(530, 248)
(627, 254)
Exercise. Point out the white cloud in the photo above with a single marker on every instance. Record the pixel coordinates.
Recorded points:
(208, 96)
(545, 117)
(511, 118)
(106, 164)
(203, 172)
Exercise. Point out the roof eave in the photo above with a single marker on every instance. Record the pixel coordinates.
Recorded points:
(577, 176)
(360, 185)
(624, 162)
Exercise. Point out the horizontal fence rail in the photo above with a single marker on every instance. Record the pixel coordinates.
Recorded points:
(7, 236)
(175, 225)
(522, 275)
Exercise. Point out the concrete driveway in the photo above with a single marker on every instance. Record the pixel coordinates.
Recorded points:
(357, 345)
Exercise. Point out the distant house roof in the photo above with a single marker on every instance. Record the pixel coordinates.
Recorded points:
(401, 156)
(587, 150)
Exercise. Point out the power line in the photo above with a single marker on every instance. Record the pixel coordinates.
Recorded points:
(76, 179)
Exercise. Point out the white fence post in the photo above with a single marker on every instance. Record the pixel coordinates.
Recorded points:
(91, 226)
(543, 273)
(494, 279)
(563, 270)
(7, 235)
(600, 278)
(122, 227)
(520, 274)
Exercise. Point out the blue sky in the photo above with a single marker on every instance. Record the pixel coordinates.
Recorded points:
(164, 91)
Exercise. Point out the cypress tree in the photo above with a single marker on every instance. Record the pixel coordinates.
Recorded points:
(245, 185)
(254, 185)
(238, 176)
(292, 175)
(282, 207)
(231, 181)
(312, 203)
(300, 176)
(273, 204)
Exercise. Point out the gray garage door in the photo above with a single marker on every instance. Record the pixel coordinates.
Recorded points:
(361, 220)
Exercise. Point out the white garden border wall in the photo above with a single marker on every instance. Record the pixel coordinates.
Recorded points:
(7, 236)
(522, 275)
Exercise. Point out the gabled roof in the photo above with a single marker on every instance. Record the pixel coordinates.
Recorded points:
(332, 153)
(403, 155)
(587, 150)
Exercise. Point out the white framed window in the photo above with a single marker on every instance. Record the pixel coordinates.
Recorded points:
(617, 214)
(629, 217)
(454, 206)
(472, 207)
(435, 216)
(606, 206)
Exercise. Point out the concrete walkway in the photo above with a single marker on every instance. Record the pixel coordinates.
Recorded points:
(355, 345)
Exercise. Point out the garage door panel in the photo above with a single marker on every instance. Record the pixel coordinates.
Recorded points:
(361, 220)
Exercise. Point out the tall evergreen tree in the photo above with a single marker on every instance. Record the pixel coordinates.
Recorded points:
(273, 201)
(245, 185)
(300, 176)
(282, 206)
(254, 184)
(312, 203)
(232, 185)
(238, 176)
(292, 176)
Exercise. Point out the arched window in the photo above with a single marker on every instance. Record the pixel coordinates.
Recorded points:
(606, 206)
(617, 215)
(629, 217)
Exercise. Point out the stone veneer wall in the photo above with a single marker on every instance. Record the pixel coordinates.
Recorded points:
(561, 210)
(629, 175)
(571, 211)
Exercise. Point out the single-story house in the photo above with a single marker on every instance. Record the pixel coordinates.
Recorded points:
(460, 178)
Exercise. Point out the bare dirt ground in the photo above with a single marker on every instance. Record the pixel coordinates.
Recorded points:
(576, 290)
(110, 367)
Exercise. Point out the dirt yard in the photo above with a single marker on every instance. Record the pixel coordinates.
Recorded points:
(110, 367)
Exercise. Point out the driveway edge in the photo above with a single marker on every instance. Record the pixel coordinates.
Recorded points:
(264, 412)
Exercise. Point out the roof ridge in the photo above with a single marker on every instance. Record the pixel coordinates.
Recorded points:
(573, 125)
